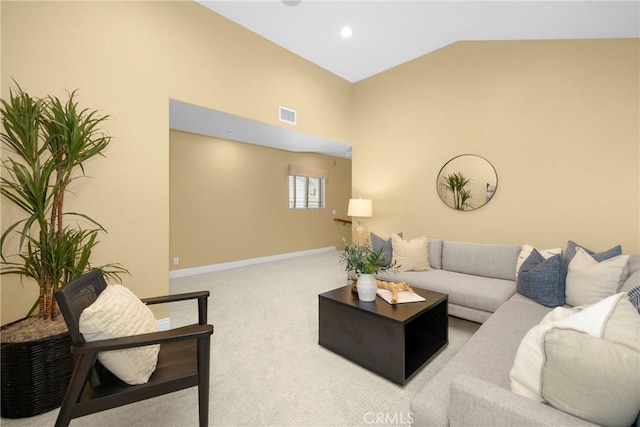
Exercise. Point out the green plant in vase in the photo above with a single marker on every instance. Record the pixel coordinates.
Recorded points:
(49, 142)
(46, 143)
(362, 259)
(365, 264)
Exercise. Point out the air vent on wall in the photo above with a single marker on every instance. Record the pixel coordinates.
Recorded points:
(287, 115)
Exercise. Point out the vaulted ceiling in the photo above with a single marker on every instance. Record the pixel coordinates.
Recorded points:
(388, 33)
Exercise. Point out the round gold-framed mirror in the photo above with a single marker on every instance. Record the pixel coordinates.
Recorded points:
(467, 182)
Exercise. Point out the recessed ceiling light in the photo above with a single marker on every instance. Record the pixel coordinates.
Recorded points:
(346, 32)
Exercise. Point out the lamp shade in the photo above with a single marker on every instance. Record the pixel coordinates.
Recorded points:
(360, 207)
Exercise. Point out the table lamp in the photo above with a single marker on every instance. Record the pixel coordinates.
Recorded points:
(360, 208)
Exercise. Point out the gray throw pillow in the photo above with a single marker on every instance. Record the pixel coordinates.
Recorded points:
(543, 280)
(631, 282)
(600, 256)
(378, 243)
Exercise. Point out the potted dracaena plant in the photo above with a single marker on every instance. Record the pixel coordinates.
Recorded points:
(46, 143)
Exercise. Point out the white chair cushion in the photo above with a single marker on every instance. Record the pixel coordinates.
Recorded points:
(116, 313)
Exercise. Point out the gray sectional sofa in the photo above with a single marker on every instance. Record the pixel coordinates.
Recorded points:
(478, 278)
(473, 389)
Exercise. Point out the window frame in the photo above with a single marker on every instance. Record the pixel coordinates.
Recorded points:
(306, 200)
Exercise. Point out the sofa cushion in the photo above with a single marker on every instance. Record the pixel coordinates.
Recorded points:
(632, 278)
(522, 299)
(117, 312)
(481, 293)
(378, 243)
(631, 282)
(497, 261)
(633, 264)
(410, 255)
(570, 252)
(475, 402)
(488, 355)
(589, 281)
(560, 361)
(435, 253)
(543, 280)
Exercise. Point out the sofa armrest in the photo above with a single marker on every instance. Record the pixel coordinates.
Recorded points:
(475, 402)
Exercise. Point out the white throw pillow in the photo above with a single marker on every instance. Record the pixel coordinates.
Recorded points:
(117, 312)
(410, 255)
(584, 362)
(526, 251)
(589, 281)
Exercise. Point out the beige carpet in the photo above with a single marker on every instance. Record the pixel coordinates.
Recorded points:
(267, 367)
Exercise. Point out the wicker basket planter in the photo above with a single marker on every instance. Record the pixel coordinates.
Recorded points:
(35, 375)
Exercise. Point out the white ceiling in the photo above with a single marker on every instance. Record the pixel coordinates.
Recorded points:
(388, 33)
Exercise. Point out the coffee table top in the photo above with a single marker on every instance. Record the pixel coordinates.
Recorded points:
(398, 312)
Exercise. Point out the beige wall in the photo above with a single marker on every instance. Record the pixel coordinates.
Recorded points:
(229, 202)
(559, 121)
(128, 59)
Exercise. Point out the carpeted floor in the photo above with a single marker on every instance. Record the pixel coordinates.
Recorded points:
(267, 367)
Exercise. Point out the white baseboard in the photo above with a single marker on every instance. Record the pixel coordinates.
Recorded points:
(164, 324)
(243, 263)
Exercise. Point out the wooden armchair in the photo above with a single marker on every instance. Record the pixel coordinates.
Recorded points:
(183, 360)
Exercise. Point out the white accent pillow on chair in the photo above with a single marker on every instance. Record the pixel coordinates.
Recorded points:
(116, 313)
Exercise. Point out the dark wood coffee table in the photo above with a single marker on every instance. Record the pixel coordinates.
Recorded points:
(394, 341)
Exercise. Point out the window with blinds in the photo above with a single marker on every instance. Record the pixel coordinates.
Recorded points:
(306, 187)
(306, 192)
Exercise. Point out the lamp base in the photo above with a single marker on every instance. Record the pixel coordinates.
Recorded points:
(360, 236)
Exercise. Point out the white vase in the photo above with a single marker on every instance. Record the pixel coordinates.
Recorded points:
(367, 287)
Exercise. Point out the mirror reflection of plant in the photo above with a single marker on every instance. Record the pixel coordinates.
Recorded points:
(465, 195)
(456, 183)
(48, 142)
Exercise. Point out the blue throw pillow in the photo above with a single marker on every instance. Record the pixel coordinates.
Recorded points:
(600, 256)
(543, 280)
(378, 243)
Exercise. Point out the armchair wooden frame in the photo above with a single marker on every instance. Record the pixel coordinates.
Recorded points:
(183, 360)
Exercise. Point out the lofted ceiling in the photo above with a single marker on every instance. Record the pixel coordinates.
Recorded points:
(388, 33)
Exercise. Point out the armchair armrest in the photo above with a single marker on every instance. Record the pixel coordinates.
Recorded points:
(476, 402)
(177, 334)
(201, 296)
(175, 297)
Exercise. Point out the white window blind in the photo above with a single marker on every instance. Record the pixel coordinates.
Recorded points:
(306, 192)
